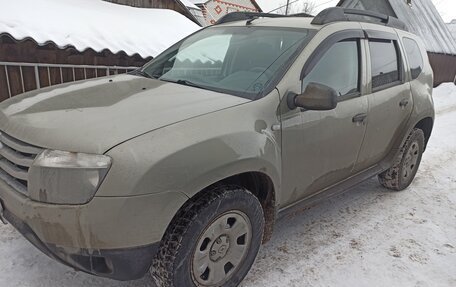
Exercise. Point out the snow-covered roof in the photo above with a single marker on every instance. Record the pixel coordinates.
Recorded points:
(452, 28)
(190, 4)
(94, 24)
(200, 2)
(421, 17)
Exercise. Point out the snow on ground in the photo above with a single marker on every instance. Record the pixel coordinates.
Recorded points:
(366, 237)
(95, 24)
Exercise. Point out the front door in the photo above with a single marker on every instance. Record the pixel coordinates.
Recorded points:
(322, 148)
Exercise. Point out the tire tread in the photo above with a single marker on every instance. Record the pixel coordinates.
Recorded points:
(390, 178)
(163, 264)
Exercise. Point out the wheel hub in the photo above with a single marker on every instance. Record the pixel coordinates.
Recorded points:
(411, 161)
(219, 248)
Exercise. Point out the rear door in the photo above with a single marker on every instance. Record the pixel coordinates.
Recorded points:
(390, 99)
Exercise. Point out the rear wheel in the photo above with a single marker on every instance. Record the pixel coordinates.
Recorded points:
(213, 241)
(402, 173)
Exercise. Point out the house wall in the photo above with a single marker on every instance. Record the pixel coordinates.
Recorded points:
(213, 10)
(444, 67)
(28, 51)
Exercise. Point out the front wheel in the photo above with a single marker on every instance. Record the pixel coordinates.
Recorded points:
(402, 173)
(213, 241)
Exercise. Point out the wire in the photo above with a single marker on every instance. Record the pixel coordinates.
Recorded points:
(283, 6)
(321, 4)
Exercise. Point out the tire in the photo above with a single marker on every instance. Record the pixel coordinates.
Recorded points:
(402, 173)
(216, 227)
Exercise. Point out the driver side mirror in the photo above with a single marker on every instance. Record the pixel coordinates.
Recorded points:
(317, 97)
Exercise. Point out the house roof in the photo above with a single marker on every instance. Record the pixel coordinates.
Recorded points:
(452, 28)
(256, 5)
(94, 24)
(199, 2)
(422, 18)
(189, 4)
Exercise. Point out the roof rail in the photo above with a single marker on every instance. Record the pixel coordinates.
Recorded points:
(337, 14)
(245, 16)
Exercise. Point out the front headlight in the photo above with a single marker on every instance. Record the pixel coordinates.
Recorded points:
(65, 177)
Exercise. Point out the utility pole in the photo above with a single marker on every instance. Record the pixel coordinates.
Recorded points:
(286, 10)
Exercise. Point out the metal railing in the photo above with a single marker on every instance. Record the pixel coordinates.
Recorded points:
(109, 70)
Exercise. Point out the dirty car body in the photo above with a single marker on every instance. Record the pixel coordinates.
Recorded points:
(93, 172)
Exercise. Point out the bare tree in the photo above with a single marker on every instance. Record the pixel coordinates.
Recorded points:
(282, 9)
(296, 7)
(308, 7)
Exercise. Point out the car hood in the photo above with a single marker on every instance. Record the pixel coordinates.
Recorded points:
(95, 115)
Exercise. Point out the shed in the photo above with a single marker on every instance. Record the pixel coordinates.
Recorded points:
(423, 19)
(216, 9)
(48, 42)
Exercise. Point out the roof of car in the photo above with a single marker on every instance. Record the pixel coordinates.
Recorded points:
(303, 20)
(286, 22)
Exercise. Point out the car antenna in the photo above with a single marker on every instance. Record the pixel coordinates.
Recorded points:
(249, 22)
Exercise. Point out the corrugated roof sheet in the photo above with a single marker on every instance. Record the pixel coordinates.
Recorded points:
(189, 4)
(200, 2)
(422, 18)
(452, 28)
(94, 24)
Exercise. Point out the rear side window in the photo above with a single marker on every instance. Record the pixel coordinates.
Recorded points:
(415, 59)
(338, 69)
(385, 63)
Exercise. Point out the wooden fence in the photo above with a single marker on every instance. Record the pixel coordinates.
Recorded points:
(17, 78)
(444, 67)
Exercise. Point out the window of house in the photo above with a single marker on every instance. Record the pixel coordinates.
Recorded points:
(415, 59)
(339, 69)
(385, 63)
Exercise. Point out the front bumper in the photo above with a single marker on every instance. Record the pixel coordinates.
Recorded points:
(110, 237)
(118, 264)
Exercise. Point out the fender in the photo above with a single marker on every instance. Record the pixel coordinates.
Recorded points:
(191, 155)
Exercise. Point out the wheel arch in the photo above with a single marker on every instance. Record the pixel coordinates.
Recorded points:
(258, 183)
(426, 125)
(262, 186)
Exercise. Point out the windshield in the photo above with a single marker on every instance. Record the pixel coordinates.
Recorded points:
(241, 61)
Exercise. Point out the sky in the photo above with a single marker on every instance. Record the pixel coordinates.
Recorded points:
(447, 8)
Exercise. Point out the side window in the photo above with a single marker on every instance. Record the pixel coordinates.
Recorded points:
(339, 68)
(415, 59)
(385, 63)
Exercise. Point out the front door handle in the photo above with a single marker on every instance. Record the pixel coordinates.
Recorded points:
(404, 103)
(359, 118)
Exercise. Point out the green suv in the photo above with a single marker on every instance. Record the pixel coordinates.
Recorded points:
(182, 167)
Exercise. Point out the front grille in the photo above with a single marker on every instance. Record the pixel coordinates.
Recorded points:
(16, 157)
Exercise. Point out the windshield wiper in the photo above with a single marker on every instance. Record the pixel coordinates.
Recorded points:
(185, 83)
(140, 72)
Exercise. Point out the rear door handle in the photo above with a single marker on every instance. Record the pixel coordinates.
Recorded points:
(359, 118)
(404, 103)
